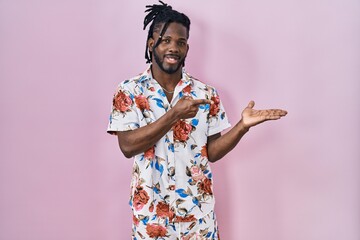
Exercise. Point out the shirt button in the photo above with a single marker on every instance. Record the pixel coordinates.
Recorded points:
(171, 187)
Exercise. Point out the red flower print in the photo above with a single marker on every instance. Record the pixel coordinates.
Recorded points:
(135, 220)
(187, 89)
(189, 218)
(122, 102)
(205, 186)
(196, 173)
(155, 230)
(204, 152)
(182, 131)
(151, 208)
(162, 209)
(142, 102)
(140, 198)
(215, 107)
(150, 153)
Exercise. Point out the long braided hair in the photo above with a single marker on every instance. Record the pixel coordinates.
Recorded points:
(157, 14)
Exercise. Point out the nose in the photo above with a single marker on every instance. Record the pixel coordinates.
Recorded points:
(173, 47)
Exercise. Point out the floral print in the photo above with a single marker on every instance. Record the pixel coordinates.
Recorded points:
(141, 197)
(142, 102)
(150, 153)
(182, 131)
(204, 151)
(171, 181)
(196, 173)
(205, 186)
(163, 210)
(188, 228)
(215, 107)
(122, 102)
(155, 231)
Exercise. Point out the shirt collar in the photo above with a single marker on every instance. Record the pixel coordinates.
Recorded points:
(147, 76)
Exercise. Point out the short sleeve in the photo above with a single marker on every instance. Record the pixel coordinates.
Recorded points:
(218, 120)
(124, 114)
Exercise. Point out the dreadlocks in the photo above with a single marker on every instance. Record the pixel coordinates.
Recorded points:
(157, 15)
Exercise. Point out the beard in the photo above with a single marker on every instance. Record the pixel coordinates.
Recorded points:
(170, 69)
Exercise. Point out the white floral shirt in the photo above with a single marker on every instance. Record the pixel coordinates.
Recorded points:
(172, 181)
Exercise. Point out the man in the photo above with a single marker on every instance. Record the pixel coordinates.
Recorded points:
(171, 124)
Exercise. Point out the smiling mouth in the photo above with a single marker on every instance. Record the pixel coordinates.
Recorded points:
(172, 59)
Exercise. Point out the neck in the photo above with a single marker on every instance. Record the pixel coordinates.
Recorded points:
(167, 81)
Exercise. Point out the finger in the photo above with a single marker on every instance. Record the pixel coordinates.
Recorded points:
(187, 97)
(272, 117)
(251, 104)
(282, 113)
(201, 101)
(278, 112)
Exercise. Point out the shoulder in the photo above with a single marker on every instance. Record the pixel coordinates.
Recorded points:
(134, 82)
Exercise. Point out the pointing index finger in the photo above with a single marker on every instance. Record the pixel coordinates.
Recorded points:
(202, 101)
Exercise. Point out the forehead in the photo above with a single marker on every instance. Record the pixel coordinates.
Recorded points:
(174, 30)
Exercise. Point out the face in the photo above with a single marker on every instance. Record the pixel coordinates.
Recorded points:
(170, 54)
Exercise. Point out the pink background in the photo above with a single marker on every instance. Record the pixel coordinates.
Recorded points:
(63, 178)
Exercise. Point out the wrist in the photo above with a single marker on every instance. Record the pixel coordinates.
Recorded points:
(243, 127)
(173, 116)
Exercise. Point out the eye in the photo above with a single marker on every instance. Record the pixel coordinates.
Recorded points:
(166, 40)
(181, 44)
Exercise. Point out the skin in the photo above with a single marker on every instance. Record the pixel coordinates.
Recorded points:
(168, 73)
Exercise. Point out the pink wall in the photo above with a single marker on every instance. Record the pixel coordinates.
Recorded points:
(62, 177)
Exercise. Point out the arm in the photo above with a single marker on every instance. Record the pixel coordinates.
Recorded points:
(219, 146)
(139, 140)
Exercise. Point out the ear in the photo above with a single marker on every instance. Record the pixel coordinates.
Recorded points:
(150, 44)
(187, 50)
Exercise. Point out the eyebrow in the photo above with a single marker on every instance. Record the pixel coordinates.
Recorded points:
(180, 39)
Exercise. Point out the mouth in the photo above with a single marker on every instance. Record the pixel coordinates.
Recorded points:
(171, 58)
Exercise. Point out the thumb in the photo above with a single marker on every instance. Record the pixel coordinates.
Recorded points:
(251, 104)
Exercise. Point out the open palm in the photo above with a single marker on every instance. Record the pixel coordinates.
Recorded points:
(252, 117)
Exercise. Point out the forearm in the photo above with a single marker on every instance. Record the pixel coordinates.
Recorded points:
(139, 140)
(219, 147)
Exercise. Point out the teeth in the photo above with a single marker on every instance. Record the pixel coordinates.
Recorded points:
(172, 59)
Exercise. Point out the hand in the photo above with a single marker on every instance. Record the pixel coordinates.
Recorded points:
(252, 117)
(187, 107)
